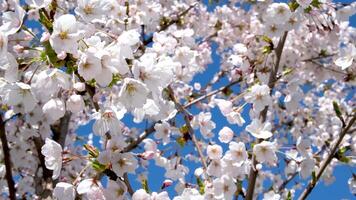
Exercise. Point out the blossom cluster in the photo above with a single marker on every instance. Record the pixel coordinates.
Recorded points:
(274, 115)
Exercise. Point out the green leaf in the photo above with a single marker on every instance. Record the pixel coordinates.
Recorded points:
(184, 129)
(51, 55)
(145, 185)
(211, 1)
(201, 185)
(293, 5)
(45, 21)
(289, 197)
(323, 53)
(314, 177)
(181, 141)
(93, 152)
(267, 39)
(115, 78)
(97, 165)
(287, 71)
(344, 159)
(316, 3)
(308, 9)
(92, 82)
(266, 50)
(338, 111)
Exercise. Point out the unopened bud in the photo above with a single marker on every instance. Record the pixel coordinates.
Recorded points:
(45, 37)
(166, 183)
(79, 86)
(62, 55)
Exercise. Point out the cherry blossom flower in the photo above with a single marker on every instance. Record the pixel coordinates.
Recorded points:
(54, 109)
(277, 13)
(38, 3)
(189, 193)
(307, 167)
(65, 34)
(20, 96)
(133, 93)
(123, 163)
(259, 96)
(215, 168)
(265, 152)
(141, 194)
(226, 134)
(91, 189)
(75, 103)
(64, 191)
(205, 124)
(224, 187)
(259, 130)
(236, 153)
(89, 66)
(12, 20)
(49, 82)
(53, 156)
(107, 121)
(214, 151)
(115, 190)
(271, 195)
(91, 10)
(347, 55)
(163, 131)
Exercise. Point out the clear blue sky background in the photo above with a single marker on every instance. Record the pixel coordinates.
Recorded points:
(338, 190)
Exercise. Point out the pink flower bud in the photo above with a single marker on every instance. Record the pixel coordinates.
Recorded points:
(45, 37)
(166, 183)
(18, 48)
(148, 155)
(62, 55)
(79, 86)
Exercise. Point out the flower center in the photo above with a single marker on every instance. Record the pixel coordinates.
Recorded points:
(130, 88)
(63, 35)
(281, 11)
(259, 97)
(88, 9)
(86, 65)
(273, 28)
(120, 192)
(121, 162)
(226, 188)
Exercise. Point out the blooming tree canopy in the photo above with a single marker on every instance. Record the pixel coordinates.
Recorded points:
(273, 119)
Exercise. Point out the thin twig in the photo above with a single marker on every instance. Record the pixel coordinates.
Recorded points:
(128, 185)
(263, 115)
(315, 180)
(7, 160)
(170, 23)
(187, 119)
(151, 129)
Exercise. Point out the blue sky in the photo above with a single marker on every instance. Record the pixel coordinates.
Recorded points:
(338, 190)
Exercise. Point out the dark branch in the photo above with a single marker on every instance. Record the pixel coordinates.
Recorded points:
(7, 160)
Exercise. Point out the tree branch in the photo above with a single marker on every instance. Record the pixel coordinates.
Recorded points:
(151, 129)
(263, 115)
(60, 134)
(170, 23)
(315, 180)
(187, 119)
(128, 185)
(7, 160)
